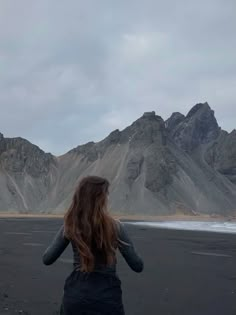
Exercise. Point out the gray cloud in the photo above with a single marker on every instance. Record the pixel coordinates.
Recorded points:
(71, 72)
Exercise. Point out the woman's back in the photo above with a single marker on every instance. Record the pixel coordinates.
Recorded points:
(125, 247)
(93, 287)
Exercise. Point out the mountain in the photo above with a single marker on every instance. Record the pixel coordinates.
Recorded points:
(185, 164)
(26, 174)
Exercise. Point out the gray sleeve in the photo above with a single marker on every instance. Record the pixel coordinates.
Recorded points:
(56, 248)
(128, 251)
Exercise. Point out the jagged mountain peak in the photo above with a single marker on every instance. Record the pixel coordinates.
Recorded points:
(147, 119)
(149, 114)
(175, 119)
(148, 128)
(20, 155)
(198, 127)
(177, 115)
(199, 109)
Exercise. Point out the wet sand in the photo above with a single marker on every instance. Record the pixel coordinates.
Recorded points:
(186, 272)
(125, 217)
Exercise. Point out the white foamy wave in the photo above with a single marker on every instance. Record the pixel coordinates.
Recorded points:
(223, 227)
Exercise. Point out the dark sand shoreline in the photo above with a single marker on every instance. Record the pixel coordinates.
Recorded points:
(150, 218)
(186, 272)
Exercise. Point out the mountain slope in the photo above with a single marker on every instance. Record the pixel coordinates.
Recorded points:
(186, 164)
(26, 175)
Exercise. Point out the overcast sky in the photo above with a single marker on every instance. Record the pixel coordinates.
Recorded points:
(73, 71)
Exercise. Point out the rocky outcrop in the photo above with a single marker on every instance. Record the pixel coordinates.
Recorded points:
(173, 122)
(221, 155)
(20, 156)
(199, 127)
(186, 164)
(26, 174)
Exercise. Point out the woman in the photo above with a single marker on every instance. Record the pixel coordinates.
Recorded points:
(93, 288)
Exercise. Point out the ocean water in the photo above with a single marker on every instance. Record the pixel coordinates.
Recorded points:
(220, 227)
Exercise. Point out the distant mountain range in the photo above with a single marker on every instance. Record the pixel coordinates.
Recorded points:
(186, 165)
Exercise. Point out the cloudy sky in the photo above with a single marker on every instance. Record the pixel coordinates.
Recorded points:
(73, 71)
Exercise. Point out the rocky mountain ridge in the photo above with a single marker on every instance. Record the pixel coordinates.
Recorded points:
(185, 164)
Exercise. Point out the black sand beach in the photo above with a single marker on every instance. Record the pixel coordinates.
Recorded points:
(186, 273)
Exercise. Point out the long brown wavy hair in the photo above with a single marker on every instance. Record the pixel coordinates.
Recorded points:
(88, 224)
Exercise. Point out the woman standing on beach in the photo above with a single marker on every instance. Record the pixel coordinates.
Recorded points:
(93, 288)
